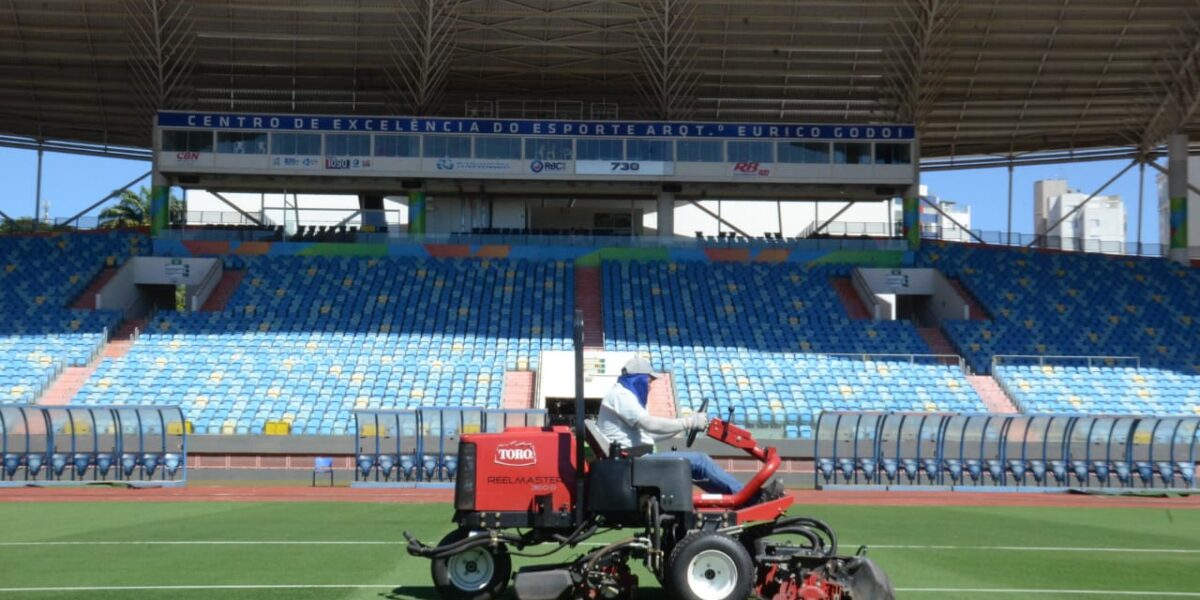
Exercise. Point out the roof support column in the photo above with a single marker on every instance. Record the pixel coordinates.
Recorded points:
(1177, 191)
(37, 203)
(912, 202)
(666, 214)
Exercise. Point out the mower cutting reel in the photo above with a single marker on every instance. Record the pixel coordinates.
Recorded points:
(527, 488)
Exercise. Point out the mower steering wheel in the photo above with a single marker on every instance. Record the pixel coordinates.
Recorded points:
(691, 438)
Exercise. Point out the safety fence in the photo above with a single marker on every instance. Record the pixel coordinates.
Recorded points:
(419, 447)
(78, 445)
(1038, 452)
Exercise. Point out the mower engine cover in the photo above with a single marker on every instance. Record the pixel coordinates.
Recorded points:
(510, 471)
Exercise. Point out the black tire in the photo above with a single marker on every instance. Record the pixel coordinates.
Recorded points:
(710, 566)
(480, 573)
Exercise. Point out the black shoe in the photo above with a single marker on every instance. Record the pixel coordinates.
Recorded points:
(771, 490)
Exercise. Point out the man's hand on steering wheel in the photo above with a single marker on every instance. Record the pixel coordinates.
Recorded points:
(696, 422)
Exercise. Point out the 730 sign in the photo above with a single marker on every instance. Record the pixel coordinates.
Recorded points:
(618, 166)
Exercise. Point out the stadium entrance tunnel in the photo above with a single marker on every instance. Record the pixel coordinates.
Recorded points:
(924, 296)
(79, 445)
(147, 283)
(939, 451)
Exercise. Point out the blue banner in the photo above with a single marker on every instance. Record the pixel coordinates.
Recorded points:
(532, 128)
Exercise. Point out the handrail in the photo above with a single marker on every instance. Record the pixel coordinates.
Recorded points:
(1041, 359)
(912, 358)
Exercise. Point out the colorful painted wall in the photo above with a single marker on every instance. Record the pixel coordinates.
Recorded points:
(582, 256)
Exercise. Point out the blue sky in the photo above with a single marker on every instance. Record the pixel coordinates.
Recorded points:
(70, 183)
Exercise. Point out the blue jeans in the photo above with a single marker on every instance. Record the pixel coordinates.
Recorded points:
(705, 472)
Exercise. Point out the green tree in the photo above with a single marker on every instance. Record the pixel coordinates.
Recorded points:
(133, 210)
(20, 225)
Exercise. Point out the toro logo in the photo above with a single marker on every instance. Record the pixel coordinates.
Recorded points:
(516, 454)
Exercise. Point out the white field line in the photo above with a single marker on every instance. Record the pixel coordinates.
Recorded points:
(1113, 549)
(351, 586)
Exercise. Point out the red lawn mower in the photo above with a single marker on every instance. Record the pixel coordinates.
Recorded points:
(531, 486)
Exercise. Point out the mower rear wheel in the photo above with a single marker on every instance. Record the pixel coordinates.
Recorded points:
(479, 573)
(710, 566)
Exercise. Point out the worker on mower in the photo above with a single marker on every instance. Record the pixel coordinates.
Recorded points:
(624, 420)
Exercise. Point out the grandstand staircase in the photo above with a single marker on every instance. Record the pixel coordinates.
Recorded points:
(936, 340)
(661, 402)
(230, 279)
(119, 343)
(63, 389)
(978, 312)
(87, 298)
(588, 286)
(855, 307)
(518, 389)
(994, 397)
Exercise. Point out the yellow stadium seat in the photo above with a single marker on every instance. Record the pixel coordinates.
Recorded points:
(177, 428)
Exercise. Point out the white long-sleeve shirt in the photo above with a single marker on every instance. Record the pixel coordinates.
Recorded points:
(623, 420)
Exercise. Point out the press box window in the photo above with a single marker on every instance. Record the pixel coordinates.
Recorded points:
(600, 149)
(447, 146)
(397, 145)
(760, 152)
(187, 141)
(695, 151)
(548, 149)
(648, 150)
(342, 144)
(498, 148)
(893, 154)
(809, 153)
(241, 143)
(848, 153)
(296, 144)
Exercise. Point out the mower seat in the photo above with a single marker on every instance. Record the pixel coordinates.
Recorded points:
(995, 469)
(868, 467)
(599, 442)
(1059, 469)
(910, 468)
(1037, 468)
(1121, 468)
(1100, 468)
(825, 466)
(974, 470)
(890, 469)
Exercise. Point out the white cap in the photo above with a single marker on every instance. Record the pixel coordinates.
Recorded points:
(638, 366)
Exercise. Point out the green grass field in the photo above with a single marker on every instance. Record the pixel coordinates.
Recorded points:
(326, 550)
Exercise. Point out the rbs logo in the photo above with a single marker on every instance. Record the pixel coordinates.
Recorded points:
(516, 454)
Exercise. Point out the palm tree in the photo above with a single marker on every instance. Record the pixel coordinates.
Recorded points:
(133, 210)
(19, 225)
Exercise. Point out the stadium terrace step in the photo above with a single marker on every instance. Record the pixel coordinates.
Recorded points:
(87, 298)
(661, 402)
(855, 308)
(121, 341)
(993, 395)
(518, 389)
(63, 390)
(230, 279)
(937, 341)
(978, 312)
(588, 291)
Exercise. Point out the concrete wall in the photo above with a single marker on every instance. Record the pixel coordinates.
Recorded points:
(121, 293)
(945, 301)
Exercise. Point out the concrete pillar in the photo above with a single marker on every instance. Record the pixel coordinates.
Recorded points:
(160, 198)
(416, 211)
(666, 214)
(912, 201)
(1177, 191)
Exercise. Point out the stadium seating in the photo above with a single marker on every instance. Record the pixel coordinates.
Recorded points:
(762, 340)
(1054, 389)
(40, 276)
(307, 340)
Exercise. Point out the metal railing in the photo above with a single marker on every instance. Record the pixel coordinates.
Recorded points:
(912, 359)
(1064, 360)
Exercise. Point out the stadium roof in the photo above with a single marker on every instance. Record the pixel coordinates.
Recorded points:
(977, 76)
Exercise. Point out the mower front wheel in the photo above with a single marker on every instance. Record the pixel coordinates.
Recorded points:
(479, 573)
(710, 566)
